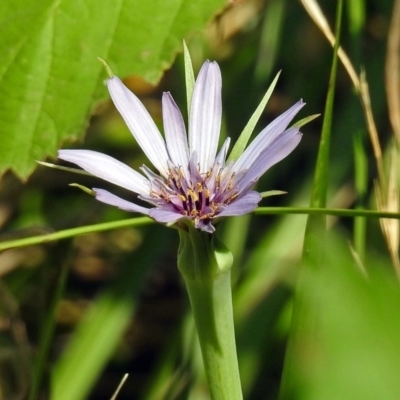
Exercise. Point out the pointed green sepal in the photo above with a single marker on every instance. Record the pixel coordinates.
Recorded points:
(61, 168)
(270, 193)
(305, 120)
(83, 188)
(244, 137)
(106, 66)
(189, 76)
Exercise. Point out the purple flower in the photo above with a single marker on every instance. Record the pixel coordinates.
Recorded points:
(194, 181)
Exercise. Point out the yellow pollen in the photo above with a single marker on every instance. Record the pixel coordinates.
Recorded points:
(218, 181)
(193, 194)
(231, 198)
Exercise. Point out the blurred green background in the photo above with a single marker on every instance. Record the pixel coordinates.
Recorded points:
(78, 314)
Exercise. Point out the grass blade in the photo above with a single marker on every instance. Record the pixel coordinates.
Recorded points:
(304, 314)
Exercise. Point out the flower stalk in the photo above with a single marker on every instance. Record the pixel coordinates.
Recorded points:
(195, 186)
(205, 264)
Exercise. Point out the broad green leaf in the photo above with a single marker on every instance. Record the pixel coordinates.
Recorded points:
(355, 352)
(50, 78)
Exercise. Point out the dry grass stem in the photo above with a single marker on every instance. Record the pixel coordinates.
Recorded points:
(386, 189)
(125, 377)
(360, 83)
(392, 71)
(389, 201)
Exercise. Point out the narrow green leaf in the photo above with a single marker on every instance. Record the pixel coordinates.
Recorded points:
(142, 221)
(273, 23)
(68, 233)
(305, 120)
(356, 11)
(83, 188)
(93, 343)
(338, 212)
(316, 225)
(244, 137)
(305, 316)
(361, 183)
(270, 193)
(61, 168)
(189, 76)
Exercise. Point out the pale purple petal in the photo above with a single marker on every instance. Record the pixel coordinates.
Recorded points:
(107, 168)
(193, 170)
(106, 197)
(221, 157)
(165, 216)
(218, 166)
(280, 148)
(151, 176)
(139, 123)
(241, 206)
(205, 115)
(204, 226)
(267, 136)
(175, 133)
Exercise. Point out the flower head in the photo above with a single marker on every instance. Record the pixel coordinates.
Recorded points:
(194, 181)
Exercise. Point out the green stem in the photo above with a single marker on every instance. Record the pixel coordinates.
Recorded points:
(205, 265)
(141, 221)
(306, 315)
(212, 309)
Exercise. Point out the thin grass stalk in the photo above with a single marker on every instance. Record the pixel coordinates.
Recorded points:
(305, 316)
(72, 232)
(359, 81)
(142, 221)
(361, 179)
(356, 18)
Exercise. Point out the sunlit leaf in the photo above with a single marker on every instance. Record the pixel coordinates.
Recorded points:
(50, 78)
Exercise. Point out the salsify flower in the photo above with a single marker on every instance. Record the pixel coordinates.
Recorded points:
(194, 182)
